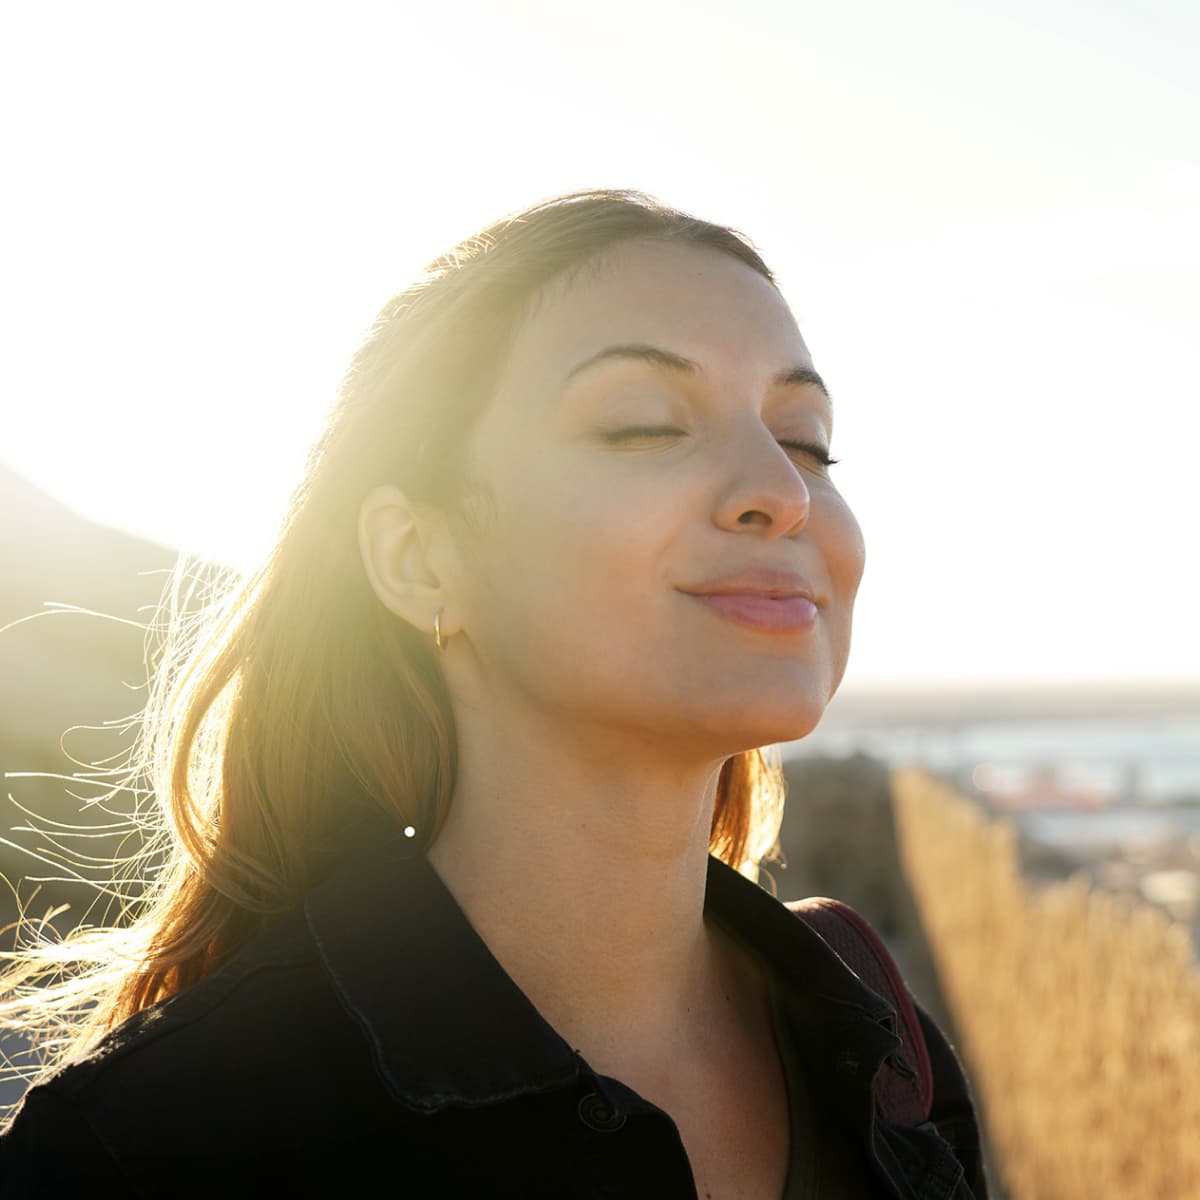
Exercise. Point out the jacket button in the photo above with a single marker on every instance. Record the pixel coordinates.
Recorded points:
(596, 1113)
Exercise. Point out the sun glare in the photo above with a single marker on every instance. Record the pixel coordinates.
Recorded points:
(1000, 290)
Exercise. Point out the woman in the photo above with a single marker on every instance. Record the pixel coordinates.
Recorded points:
(460, 782)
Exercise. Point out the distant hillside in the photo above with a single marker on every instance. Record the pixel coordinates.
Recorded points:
(50, 552)
(58, 670)
(62, 670)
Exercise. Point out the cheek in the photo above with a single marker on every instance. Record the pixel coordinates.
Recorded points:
(845, 550)
(560, 550)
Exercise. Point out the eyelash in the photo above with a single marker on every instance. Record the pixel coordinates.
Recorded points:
(615, 436)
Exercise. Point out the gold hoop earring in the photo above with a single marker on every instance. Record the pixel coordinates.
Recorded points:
(437, 630)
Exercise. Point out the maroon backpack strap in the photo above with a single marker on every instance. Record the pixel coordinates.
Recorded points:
(903, 1094)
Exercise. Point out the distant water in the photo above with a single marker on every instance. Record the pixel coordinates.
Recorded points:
(1118, 762)
(1108, 828)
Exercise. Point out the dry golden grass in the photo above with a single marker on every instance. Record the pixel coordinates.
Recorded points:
(1079, 1011)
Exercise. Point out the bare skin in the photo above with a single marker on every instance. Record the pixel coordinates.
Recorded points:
(738, 1147)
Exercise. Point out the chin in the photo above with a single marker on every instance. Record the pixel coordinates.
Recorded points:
(800, 725)
(757, 724)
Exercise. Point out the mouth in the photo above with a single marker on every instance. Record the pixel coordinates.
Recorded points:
(764, 612)
(765, 599)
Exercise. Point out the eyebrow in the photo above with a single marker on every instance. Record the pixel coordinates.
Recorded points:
(667, 359)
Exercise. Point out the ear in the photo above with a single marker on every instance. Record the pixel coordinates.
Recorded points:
(400, 545)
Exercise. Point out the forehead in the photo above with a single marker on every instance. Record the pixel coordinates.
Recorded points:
(692, 301)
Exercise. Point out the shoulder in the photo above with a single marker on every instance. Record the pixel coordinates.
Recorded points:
(954, 1110)
(933, 1094)
(234, 1058)
(50, 1150)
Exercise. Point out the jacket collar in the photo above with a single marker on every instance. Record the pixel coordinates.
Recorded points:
(448, 1026)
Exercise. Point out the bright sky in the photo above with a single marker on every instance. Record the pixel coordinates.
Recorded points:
(987, 218)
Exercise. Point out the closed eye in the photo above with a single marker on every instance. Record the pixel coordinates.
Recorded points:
(637, 432)
(812, 449)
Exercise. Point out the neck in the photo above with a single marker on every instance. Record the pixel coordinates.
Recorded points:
(585, 874)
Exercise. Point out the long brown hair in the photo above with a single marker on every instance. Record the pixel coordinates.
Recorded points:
(300, 711)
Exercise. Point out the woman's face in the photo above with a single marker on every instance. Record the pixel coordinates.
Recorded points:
(665, 552)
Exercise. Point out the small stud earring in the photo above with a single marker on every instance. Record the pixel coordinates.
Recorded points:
(437, 630)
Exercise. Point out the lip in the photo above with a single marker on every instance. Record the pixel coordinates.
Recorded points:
(768, 600)
(757, 581)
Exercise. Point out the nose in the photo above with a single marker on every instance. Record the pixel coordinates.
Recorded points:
(766, 492)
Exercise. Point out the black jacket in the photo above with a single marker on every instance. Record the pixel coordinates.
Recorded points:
(369, 1040)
